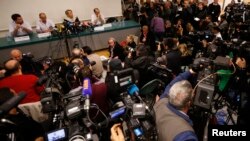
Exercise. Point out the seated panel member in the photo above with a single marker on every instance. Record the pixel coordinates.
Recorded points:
(70, 16)
(44, 25)
(19, 27)
(97, 18)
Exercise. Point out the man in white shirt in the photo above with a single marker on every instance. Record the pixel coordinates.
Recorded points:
(97, 18)
(19, 27)
(44, 25)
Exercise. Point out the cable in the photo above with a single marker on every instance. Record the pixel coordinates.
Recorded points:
(202, 81)
(212, 75)
(97, 107)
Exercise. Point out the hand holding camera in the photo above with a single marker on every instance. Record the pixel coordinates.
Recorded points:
(116, 133)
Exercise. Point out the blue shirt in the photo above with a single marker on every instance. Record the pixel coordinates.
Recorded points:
(186, 135)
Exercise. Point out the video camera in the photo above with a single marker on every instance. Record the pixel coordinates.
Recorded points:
(7, 126)
(159, 72)
(135, 116)
(207, 79)
(239, 12)
(72, 120)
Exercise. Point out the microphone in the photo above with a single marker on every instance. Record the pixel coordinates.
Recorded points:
(87, 92)
(133, 90)
(11, 103)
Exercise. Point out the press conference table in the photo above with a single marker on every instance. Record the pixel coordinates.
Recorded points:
(55, 46)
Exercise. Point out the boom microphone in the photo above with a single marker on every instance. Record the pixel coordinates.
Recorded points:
(11, 103)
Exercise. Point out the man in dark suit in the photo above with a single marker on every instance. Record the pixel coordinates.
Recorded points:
(115, 50)
(147, 38)
(214, 10)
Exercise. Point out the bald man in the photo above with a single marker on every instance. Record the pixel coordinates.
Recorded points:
(44, 25)
(78, 53)
(16, 54)
(20, 82)
(28, 65)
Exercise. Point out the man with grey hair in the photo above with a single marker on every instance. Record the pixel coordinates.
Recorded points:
(172, 121)
(115, 49)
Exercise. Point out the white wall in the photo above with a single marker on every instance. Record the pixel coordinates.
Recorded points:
(29, 9)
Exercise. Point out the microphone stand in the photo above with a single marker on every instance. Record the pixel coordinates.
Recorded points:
(67, 43)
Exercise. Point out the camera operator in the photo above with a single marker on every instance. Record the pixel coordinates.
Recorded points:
(172, 120)
(172, 55)
(25, 60)
(26, 129)
(99, 88)
(78, 53)
(141, 62)
(223, 26)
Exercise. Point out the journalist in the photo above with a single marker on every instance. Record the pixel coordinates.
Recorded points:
(171, 117)
(21, 82)
(170, 55)
(141, 62)
(115, 49)
(25, 60)
(93, 57)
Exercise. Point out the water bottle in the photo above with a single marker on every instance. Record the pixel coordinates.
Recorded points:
(8, 37)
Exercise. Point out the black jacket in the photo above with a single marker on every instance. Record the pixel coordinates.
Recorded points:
(150, 41)
(174, 61)
(118, 51)
(141, 64)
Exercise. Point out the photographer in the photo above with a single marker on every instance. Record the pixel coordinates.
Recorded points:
(172, 120)
(172, 55)
(99, 88)
(28, 65)
(141, 62)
